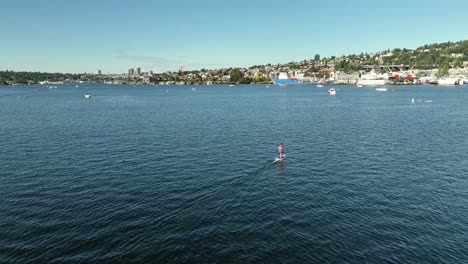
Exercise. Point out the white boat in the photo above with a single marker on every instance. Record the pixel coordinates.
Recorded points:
(332, 91)
(87, 96)
(283, 79)
(194, 89)
(372, 78)
(319, 86)
(381, 89)
(360, 86)
(370, 82)
(447, 81)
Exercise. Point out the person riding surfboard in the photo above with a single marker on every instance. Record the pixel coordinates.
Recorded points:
(281, 150)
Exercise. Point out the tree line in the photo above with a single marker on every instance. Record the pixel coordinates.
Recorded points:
(35, 77)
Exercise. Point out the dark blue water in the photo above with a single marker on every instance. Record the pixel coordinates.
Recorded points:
(167, 174)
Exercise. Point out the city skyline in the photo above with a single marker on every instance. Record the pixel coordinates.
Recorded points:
(85, 36)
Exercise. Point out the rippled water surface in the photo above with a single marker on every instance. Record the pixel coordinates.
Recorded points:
(168, 174)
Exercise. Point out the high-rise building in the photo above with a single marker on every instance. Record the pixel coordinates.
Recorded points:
(99, 72)
(131, 72)
(138, 71)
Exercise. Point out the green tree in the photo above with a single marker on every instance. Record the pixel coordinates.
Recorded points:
(443, 71)
(246, 80)
(235, 76)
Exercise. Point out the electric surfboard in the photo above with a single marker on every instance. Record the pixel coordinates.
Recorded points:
(278, 159)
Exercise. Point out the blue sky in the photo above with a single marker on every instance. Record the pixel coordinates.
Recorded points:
(84, 36)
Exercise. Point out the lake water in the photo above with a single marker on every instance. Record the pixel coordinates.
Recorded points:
(167, 174)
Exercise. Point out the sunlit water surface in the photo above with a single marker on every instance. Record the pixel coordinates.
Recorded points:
(171, 174)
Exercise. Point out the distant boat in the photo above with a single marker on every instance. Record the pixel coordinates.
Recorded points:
(447, 81)
(360, 86)
(381, 89)
(231, 85)
(427, 80)
(194, 89)
(87, 96)
(332, 91)
(372, 78)
(371, 82)
(283, 79)
(319, 86)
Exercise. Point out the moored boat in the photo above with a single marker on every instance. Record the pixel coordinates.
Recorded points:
(447, 81)
(332, 91)
(372, 78)
(283, 79)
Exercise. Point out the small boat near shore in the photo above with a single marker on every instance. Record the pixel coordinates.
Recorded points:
(283, 79)
(381, 89)
(372, 78)
(87, 96)
(332, 91)
(447, 81)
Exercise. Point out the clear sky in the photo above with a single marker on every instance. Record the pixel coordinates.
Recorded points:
(87, 35)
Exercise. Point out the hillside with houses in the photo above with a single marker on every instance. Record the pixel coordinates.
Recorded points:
(425, 64)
